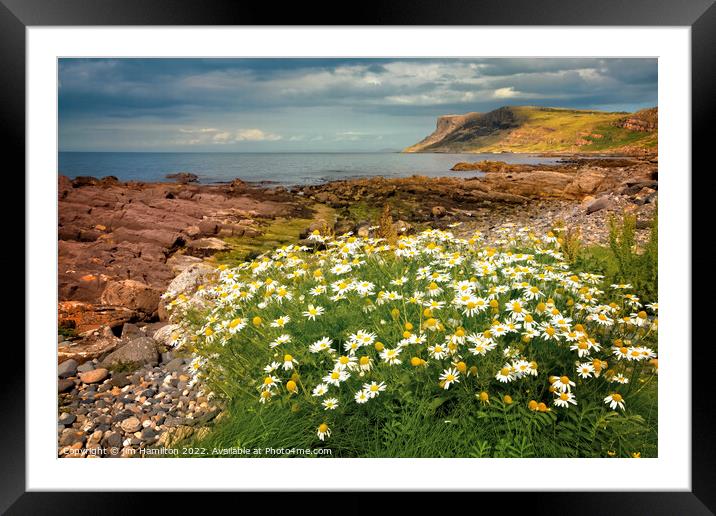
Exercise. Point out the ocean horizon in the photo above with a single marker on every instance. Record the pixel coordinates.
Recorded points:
(280, 168)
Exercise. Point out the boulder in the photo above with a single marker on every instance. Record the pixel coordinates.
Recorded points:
(644, 196)
(327, 198)
(64, 385)
(133, 295)
(193, 231)
(344, 226)
(599, 204)
(586, 182)
(238, 186)
(185, 283)
(188, 281)
(94, 376)
(438, 211)
(136, 353)
(402, 227)
(320, 225)
(131, 331)
(208, 227)
(87, 366)
(163, 336)
(363, 230)
(67, 368)
(180, 262)
(92, 346)
(183, 177)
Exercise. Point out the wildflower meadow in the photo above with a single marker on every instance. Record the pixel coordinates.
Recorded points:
(425, 345)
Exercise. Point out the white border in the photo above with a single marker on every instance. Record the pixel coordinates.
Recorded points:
(670, 471)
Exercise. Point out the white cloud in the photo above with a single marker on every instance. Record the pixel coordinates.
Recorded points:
(212, 135)
(200, 130)
(506, 93)
(255, 135)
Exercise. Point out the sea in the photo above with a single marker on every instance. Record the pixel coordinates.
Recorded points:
(284, 169)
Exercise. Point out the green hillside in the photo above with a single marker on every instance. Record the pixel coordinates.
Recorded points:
(540, 129)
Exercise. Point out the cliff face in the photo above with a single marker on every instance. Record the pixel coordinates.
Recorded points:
(539, 129)
(446, 125)
(646, 120)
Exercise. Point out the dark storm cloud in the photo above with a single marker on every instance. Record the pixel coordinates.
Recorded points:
(276, 103)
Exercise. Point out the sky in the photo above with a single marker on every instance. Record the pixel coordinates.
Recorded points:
(318, 105)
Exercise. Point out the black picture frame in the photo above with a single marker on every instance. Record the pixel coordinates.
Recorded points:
(700, 15)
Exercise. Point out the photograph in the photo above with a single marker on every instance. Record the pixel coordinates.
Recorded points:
(358, 257)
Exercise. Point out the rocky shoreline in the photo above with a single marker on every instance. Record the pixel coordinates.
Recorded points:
(106, 414)
(121, 246)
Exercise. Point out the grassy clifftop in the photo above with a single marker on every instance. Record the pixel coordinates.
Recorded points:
(540, 129)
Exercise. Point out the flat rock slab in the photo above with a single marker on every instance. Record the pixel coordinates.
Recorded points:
(132, 294)
(93, 346)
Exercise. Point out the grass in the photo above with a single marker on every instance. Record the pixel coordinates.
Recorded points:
(276, 233)
(438, 427)
(416, 417)
(621, 261)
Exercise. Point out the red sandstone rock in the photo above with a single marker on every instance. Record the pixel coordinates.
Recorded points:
(133, 295)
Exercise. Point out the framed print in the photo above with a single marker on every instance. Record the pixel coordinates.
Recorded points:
(418, 250)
